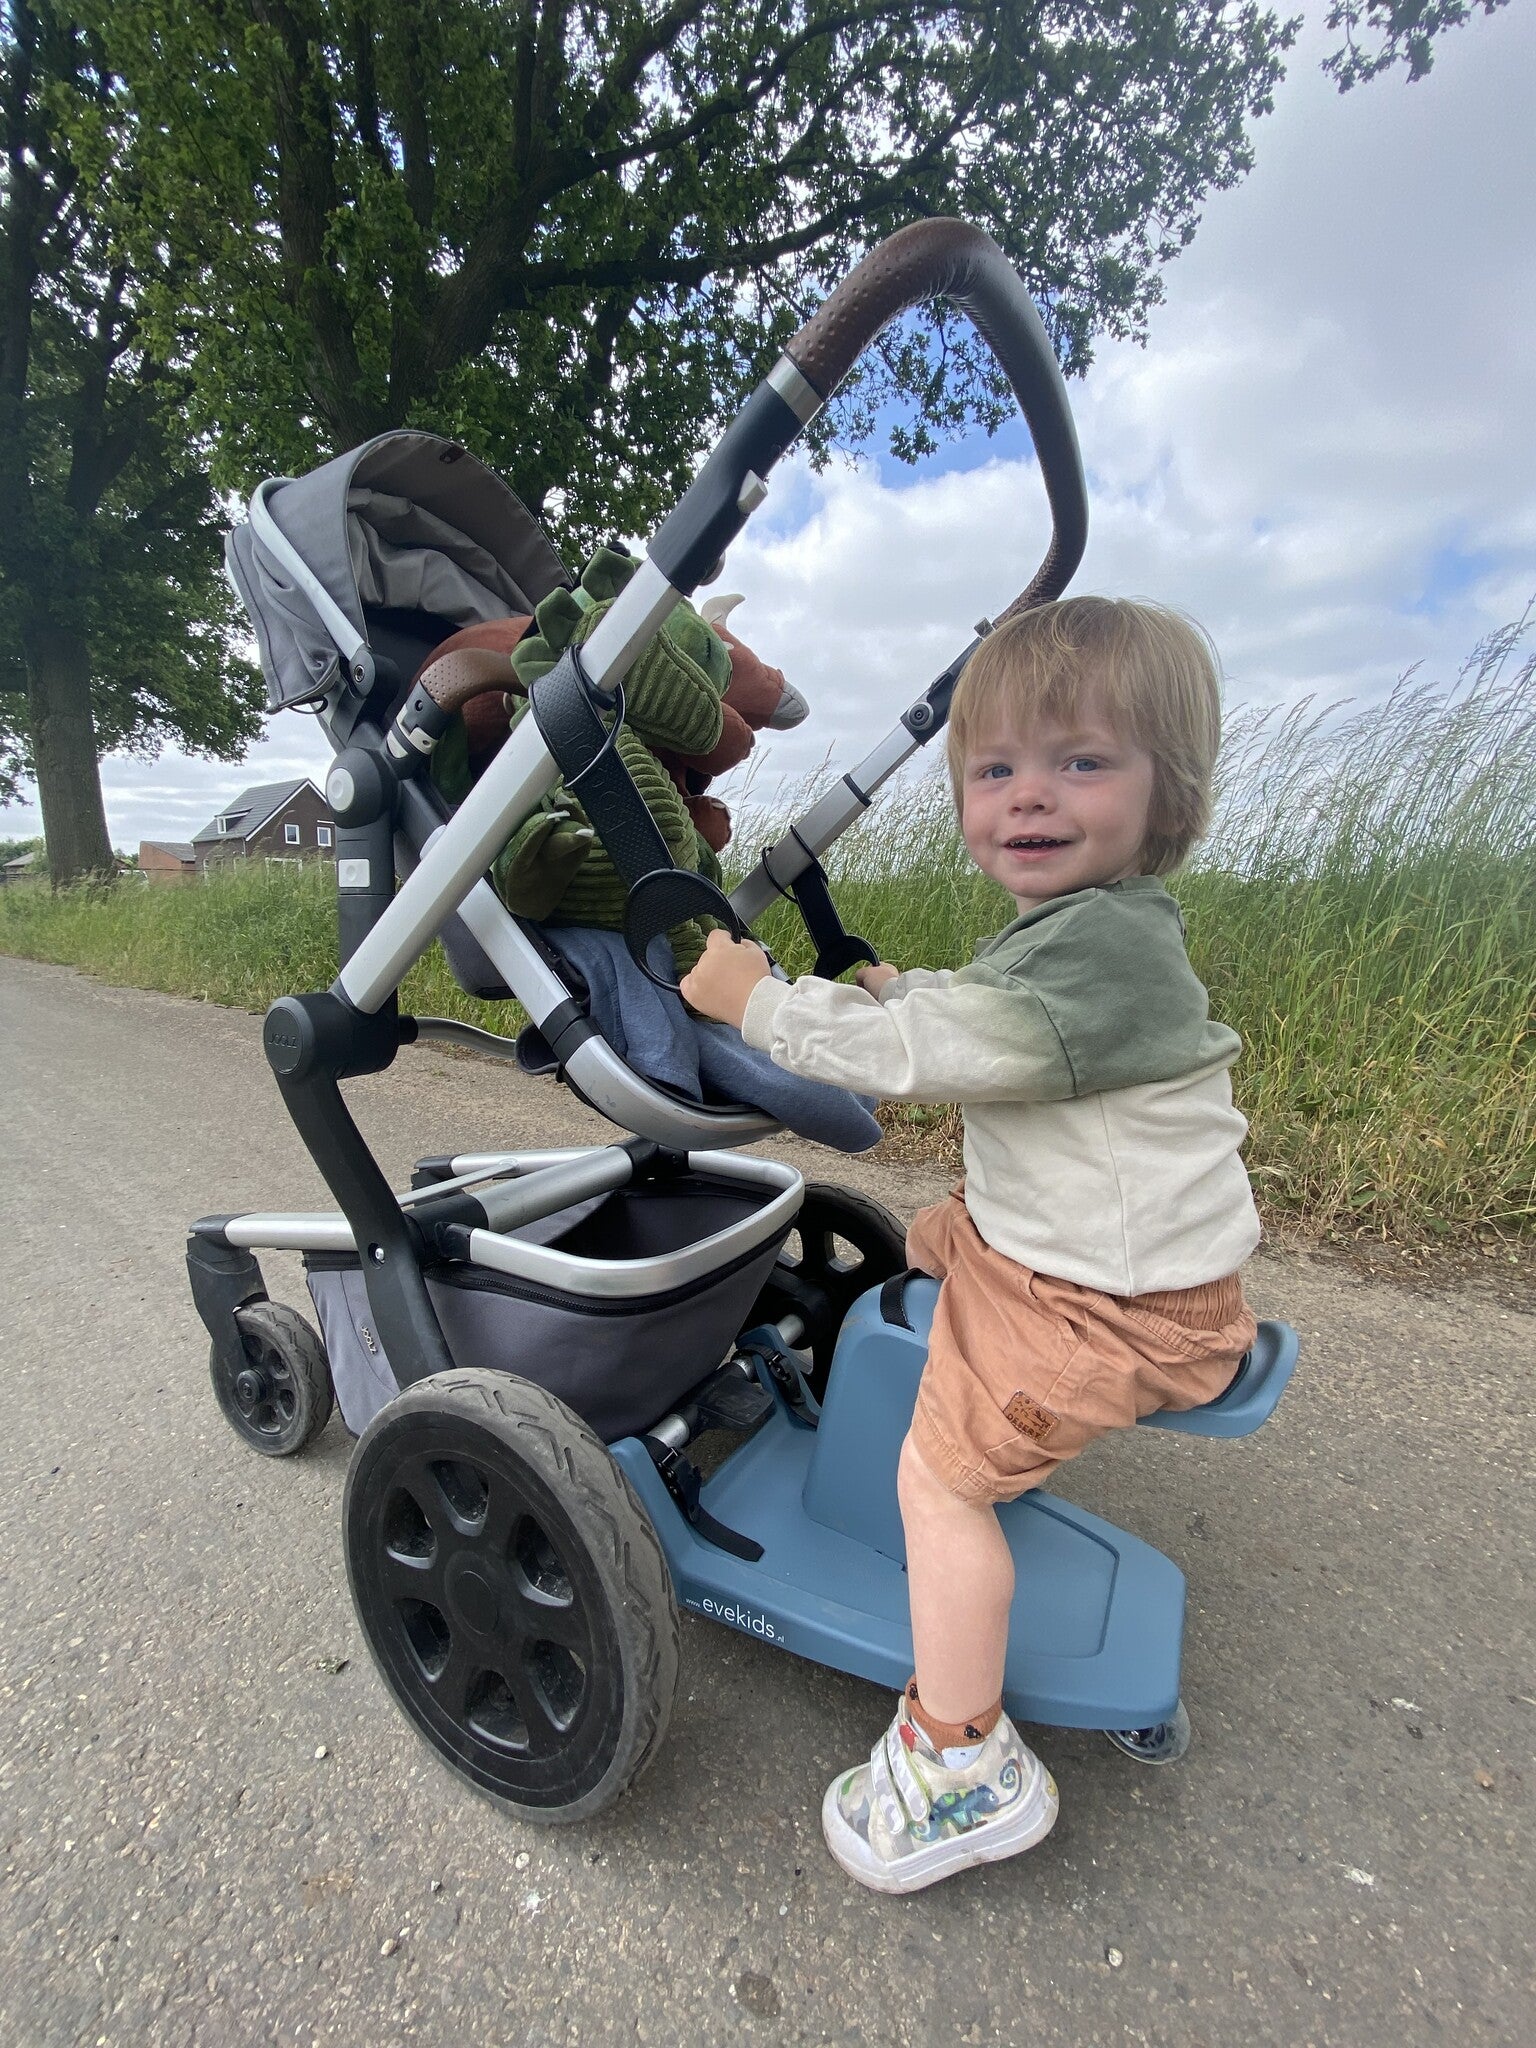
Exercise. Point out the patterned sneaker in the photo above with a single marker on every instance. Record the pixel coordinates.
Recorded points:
(904, 1819)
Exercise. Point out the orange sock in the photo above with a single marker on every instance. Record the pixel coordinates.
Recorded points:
(951, 1734)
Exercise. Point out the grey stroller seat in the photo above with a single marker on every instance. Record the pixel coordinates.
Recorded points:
(352, 576)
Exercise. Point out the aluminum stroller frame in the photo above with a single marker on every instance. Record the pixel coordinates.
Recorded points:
(514, 1578)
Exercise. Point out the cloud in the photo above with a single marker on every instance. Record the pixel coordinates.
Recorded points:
(1325, 453)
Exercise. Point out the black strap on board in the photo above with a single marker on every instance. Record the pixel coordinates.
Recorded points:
(681, 1479)
(893, 1299)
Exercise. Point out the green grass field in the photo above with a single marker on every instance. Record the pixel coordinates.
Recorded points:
(1364, 914)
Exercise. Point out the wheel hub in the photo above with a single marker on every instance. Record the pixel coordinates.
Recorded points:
(474, 1600)
(475, 1593)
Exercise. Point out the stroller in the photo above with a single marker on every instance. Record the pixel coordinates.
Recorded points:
(529, 1344)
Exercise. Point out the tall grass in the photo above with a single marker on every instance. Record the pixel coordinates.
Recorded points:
(245, 935)
(1364, 913)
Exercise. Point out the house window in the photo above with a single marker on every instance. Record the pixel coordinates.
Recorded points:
(322, 835)
(290, 835)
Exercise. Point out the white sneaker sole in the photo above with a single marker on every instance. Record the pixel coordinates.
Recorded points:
(990, 1842)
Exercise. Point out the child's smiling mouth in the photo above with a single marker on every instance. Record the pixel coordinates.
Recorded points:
(1032, 843)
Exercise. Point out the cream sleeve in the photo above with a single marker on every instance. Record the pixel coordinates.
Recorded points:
(935, 1041)
(915, 977)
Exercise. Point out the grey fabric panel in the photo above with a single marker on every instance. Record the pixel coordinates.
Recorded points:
(444, 479)
(405, 556)
(621, 1373)
(620, 1366)
(434, 476)
(360, 1372)
(299, 659)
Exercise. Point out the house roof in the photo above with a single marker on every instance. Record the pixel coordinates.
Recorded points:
(251, 808)
(179, 849)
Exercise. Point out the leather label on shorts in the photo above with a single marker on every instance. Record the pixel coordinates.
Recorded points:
(1029, 1418)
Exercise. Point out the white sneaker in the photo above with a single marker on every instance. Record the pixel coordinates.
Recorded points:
(904, 1819)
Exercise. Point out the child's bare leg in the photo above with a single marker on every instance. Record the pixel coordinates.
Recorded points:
(938, 1793)
(960, 1586)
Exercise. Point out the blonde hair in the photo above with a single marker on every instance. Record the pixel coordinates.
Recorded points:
(1149, 671)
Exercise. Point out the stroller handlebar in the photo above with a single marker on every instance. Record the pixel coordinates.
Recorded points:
(952, 259)
(931, 258)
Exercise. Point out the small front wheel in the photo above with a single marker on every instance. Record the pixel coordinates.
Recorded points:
(1164, 1743)
(281, 1397)
(512, 1591)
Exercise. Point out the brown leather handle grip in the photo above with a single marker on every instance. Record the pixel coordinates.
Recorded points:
(456, 679)
(951, 259)
(472, 661)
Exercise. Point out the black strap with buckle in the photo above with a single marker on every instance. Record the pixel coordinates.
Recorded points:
(681, 1479)
(566, 709)
(837, 949)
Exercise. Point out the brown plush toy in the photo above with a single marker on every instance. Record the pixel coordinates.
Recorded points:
(471, 673)
(757, 699)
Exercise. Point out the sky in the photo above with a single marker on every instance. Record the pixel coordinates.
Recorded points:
(1325, 452)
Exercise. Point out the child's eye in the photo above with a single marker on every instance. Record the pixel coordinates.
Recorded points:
(994, 768)
(1085, 762)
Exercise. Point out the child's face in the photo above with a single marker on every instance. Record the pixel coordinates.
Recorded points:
(1055, 807)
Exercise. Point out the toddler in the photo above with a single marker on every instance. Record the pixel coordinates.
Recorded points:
(1088, 1262)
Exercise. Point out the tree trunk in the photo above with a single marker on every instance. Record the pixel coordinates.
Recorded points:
(64, 752)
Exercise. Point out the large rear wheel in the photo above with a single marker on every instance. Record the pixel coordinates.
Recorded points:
(513, 1592)
(848, 1244)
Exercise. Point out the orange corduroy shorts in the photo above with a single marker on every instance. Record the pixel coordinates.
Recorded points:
(1024, 1370)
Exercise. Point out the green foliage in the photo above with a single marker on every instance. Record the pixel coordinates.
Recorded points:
(246, 934)
(111, 595)
(1381, 34)
(571, 234)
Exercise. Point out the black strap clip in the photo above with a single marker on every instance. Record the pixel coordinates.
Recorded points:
(680, 1476)
(780, 1375)
(837, 949)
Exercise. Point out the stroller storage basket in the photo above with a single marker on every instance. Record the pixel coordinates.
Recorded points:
(620, 1359)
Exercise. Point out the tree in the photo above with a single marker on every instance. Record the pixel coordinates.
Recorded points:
(114, 619)
(1404, 32)
(573, 233)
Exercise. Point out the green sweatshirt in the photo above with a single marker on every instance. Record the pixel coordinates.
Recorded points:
(1101, 1142)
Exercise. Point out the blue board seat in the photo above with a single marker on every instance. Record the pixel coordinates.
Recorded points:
(1251, 1398)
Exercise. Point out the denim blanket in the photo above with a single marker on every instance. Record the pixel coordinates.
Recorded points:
(653, 1029)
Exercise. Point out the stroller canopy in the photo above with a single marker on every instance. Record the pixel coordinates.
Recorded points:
(406, 522)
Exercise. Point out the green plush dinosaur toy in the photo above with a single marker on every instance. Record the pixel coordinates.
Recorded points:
(554, 868)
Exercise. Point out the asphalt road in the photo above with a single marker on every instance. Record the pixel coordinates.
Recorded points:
(215, 1824)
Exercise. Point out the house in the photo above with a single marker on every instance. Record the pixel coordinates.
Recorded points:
(21, 869)
(276, 821)
(167, 860)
